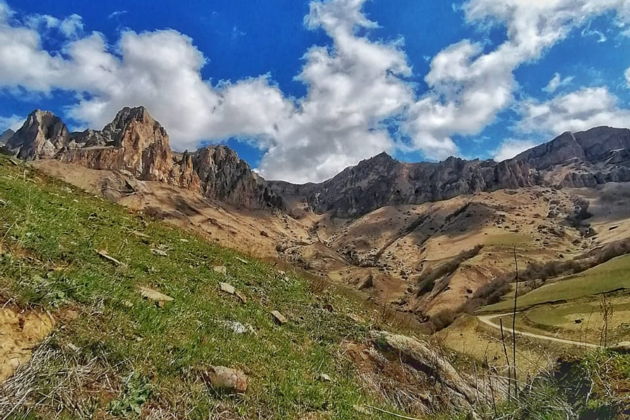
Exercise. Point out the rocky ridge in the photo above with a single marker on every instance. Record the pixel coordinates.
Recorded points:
(137, 144)
(587, 158)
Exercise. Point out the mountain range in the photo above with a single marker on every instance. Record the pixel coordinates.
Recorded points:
(424, 237)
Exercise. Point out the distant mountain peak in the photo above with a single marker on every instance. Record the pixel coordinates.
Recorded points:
(136, 143)
(6, 135)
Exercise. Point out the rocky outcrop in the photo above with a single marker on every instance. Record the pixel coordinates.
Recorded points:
(41, 136)
(226, 177)
(416, 378)
(583, 159)
(133, 142)
(137, 144)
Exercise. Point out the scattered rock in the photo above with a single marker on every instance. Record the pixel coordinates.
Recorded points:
(140, 234)
(72, 347)
(227, 288)
(154, 295)
(103, 254)
(71, 315)
(225, 378)
(237, 327)
(159, 252)
(20, 333)
(323, 377)
(241, 296)
(279, 318)
(221, 269)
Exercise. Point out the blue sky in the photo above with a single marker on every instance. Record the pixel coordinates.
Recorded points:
(420, 79)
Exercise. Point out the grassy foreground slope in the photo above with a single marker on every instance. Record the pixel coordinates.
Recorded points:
(114, 353)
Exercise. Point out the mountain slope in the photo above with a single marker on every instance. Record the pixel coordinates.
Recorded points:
(114, 351)
(142, 322)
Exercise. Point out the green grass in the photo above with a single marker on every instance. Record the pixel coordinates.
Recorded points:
(606, 277)
(49, 233)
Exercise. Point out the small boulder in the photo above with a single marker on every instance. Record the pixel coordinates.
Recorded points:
(279, 318)
(241, 296)
(159, 252)
(220, 377)
(154, 295)
(237, 327)
(227, 288)
(323, 377)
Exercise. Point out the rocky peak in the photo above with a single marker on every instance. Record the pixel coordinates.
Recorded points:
(42, 135)
(224, 176)
(133, 141)
(136, 143)
(4, 137)
(126, 117)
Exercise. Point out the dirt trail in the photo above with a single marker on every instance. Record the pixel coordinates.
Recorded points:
(487, 319)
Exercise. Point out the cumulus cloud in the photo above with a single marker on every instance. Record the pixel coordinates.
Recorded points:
(511, 147)
(352, 87)
(556, 82)
(357, 88)
(575, 111)
(469, 87)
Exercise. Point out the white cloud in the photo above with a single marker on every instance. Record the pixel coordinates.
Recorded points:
(70, 27)
(627, 75)
(116, 13)
(557, 82)
(510, 148)
(13, 122)
(353, 86)
(588, 32)
(576, 111)
(469, 87)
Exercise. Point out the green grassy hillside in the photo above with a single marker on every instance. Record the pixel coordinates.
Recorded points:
(607, 277)
(116, 353)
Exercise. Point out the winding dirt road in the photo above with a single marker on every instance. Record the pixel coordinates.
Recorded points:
(487, 319)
